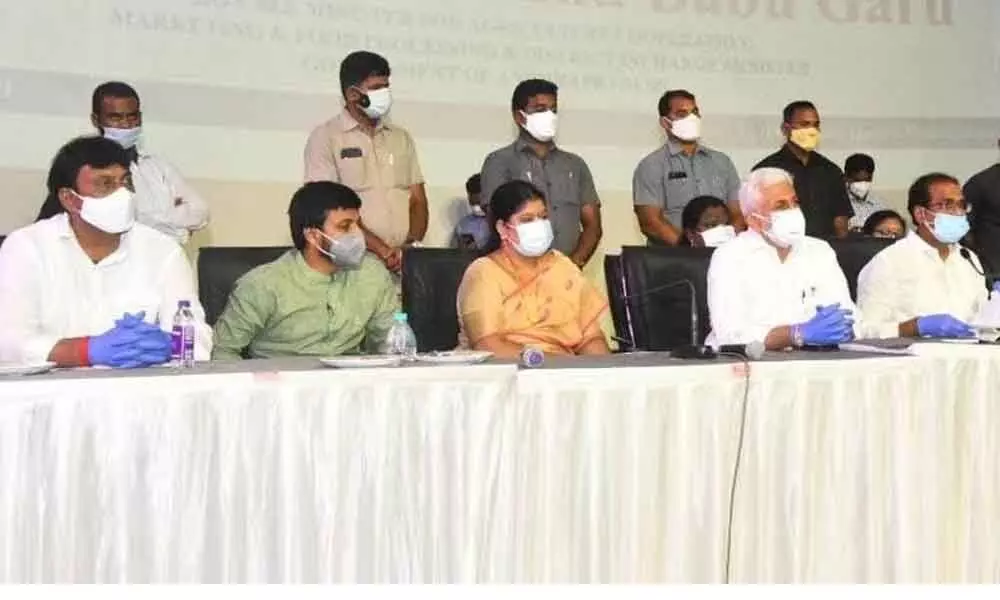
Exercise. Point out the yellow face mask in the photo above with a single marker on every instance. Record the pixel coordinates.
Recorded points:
(806, 138)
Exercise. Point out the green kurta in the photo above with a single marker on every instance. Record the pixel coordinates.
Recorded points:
(285, 308)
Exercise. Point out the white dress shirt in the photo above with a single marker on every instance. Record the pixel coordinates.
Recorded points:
(164, 201)
(908, 280)
(750, 291)
(51, 290)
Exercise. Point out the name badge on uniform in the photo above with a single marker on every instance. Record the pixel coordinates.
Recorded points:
(351, 153)
(677, 175)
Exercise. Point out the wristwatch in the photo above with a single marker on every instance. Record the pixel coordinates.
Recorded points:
(797, 340)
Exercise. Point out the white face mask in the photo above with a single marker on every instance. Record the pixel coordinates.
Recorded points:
(114, 213)
(860, 189)
(126, 138)
(541, 125)
(534, 238)
(478, 211)
(687, 129)
(788, 227)
(379, 103)
(718, 235)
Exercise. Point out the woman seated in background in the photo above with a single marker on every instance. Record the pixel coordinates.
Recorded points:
(705, 222)
(885, 224)
(523, 293)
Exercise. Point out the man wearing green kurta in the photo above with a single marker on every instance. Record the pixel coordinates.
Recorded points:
(325, 298)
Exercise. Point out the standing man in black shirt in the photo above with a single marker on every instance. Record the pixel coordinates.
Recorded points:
(982, 193)
(819, 183)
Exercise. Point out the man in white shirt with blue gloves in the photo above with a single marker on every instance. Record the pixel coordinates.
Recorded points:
(926, 284)
(772, 283)
(89, 286)
(163, 200)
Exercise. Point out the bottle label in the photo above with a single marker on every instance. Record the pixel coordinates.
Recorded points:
(176, 341)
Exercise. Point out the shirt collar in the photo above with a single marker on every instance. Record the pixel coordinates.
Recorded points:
(348, 122)
(65, 232)
(913, 238)
(308, 273)
(674, 148)
(525, 142)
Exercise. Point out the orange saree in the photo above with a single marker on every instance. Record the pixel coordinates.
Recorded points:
(553, 307)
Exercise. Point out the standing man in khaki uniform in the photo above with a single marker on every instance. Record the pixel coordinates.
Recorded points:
(376, 159)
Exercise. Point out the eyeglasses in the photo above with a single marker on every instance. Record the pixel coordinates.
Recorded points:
(952, 208)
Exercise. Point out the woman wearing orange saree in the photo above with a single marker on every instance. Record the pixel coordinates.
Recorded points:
(523, 293)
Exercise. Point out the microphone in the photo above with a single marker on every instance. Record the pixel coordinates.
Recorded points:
(990, 277)
(692, 349)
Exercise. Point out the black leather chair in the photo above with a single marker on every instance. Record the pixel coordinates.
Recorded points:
(431, 277)
(220, 267)
(659, 301)
(853, 254)
(614, 278)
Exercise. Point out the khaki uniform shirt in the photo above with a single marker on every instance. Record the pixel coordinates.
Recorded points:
(380, 168)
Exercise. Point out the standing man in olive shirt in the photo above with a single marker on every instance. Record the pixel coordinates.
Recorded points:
(564, 178)
(819, 183)
(376, 159)
(982, 192)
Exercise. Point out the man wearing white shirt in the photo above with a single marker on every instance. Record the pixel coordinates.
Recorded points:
(90, 286)
(772, 283)
(163, 199)
(923, 285)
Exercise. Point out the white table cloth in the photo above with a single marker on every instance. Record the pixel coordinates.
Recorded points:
(872, 469)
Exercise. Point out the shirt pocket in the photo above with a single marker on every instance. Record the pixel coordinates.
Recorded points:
(353, 171)
(678, 191)
(564, 189)
(400, 167)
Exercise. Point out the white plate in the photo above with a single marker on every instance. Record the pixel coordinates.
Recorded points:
(361, 362)
(455, 357)
(30, 369)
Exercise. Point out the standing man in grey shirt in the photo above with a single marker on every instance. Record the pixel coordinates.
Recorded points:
(574, 208)
(681, 170)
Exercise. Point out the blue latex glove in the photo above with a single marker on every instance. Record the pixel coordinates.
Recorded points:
(830, 325)
(944, 326)
(129, 344)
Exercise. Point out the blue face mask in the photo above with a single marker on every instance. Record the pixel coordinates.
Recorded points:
(949, 229)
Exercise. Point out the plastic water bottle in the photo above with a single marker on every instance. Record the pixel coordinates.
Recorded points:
(401, 340)
(182, 350)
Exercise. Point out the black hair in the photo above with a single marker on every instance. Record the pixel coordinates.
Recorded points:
(93, 151)
(920, 191)
(504, 203)
(360, 65)
(312, 203)
(878, 217)
(473, 185)
(111, 89)
(664, 105)
(856, 163)
(793, 107)
(693, 211)
(528, 89)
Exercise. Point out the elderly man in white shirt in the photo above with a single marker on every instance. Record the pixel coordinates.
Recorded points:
(90, 286)
(926, 284)
(163, 199)
(772, 283)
